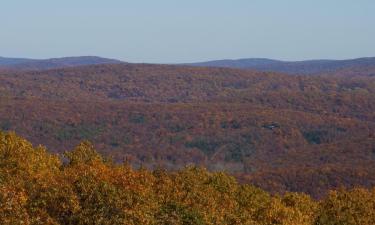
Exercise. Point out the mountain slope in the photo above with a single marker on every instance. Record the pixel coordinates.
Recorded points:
(309, 67)
(278, 131)
(43, 64)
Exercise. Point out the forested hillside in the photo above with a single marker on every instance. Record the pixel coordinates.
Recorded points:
(80, 187)
(279, 132)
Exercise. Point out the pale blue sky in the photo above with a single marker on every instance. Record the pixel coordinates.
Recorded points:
(174, 31)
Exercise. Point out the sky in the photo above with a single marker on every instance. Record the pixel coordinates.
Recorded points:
(177, 31)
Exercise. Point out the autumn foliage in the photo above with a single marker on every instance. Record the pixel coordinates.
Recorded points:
(279, 132)
(80, 187)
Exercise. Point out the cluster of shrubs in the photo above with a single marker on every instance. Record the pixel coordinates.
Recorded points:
(81, 187)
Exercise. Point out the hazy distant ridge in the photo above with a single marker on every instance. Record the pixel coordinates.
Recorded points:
(363, 66)
(292, 67)
(41, 64)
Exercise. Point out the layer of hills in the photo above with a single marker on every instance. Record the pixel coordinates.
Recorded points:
(308, 67)
(42, 64)
(349, 67)
(277, 131)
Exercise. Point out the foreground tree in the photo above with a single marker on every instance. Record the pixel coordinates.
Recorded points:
(40, 188)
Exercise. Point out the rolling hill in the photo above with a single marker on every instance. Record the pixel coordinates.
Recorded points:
(43, 64)
(280, 132)
(309, 67)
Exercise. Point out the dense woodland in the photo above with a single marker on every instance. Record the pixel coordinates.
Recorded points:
(278, 132)
(81, 187)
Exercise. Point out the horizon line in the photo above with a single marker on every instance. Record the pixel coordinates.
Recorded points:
(191, 62)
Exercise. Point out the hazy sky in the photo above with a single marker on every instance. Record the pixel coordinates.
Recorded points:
(172, 31)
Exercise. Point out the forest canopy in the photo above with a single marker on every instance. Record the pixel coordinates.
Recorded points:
(81, 187)
(280, 132)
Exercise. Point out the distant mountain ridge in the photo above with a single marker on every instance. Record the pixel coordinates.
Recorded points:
(12, 61)
(308, 67)
(53, 63)
(347, 68)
